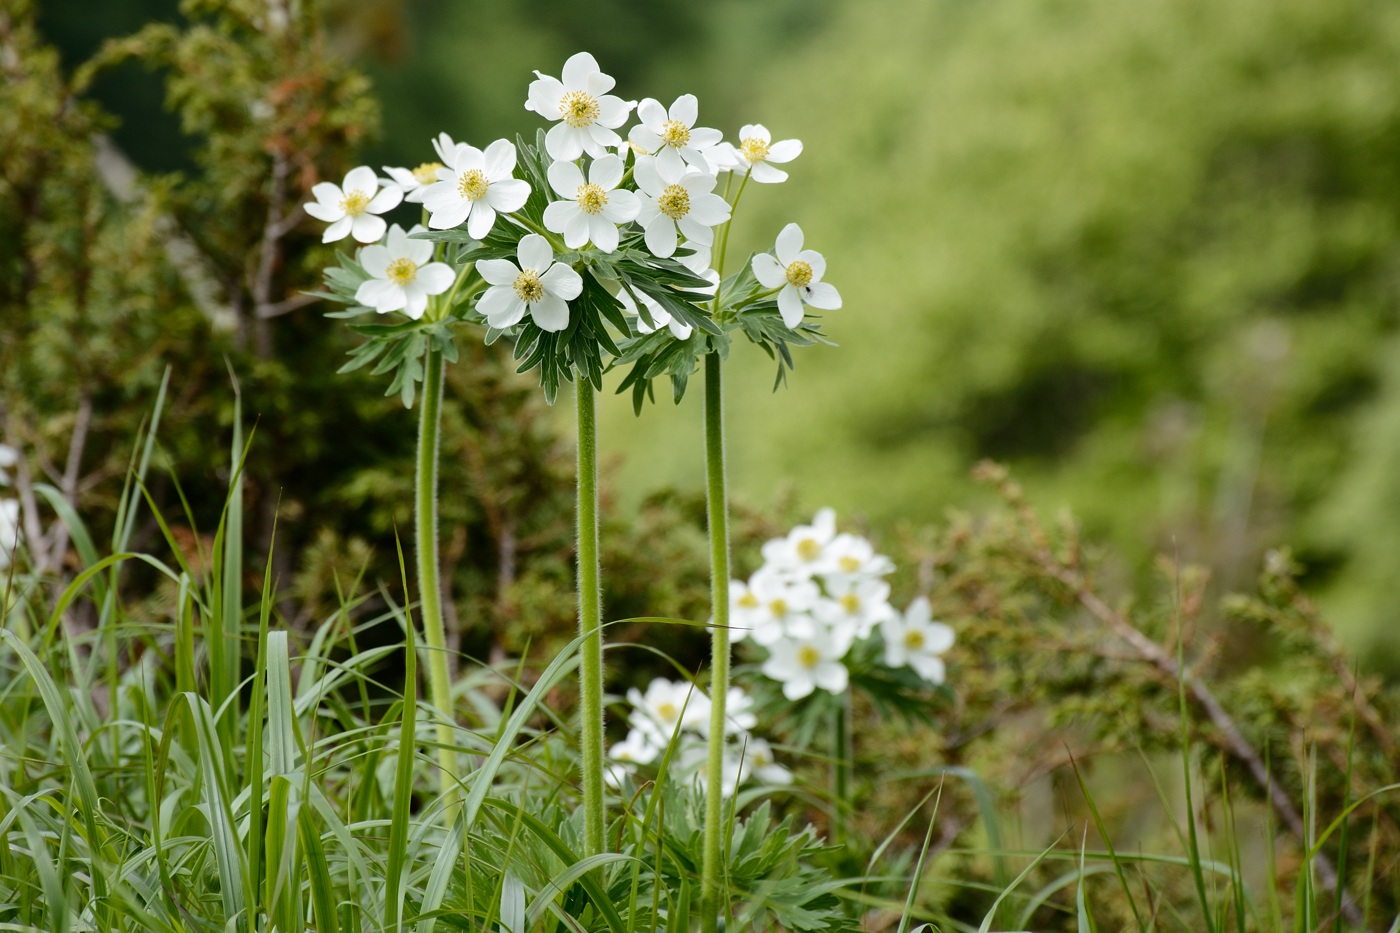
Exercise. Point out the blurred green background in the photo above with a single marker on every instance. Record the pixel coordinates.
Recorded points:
(1145, 253)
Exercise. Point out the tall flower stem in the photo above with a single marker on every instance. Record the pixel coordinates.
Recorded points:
(842, 761)
(718, 508)
(590, 618)
(429, 583)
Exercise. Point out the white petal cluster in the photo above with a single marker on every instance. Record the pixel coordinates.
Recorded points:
(352, 208)
(593, 206)
(538, 285)
(672, 136)
(675, 712)
(9, 531)
(818, 594)
(474, 186)
(677, 200)
(402, 274)
(586, 115)
(797, 274)
(756, 153)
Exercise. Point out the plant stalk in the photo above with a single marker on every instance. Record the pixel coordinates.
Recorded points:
(429, 582)
(718, 511)
(590, 616)
(841, 762)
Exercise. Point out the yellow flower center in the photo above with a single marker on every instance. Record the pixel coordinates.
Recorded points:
(472, 184)
(914, 639)
(674, 202)
(354, 203)
(808, 656)
(674, 133)
(760, 758)
(579, 108)
(799, 274)
(748, 601)
(592, 198)
(426, 173)
(528, 287)
(667, 712)
(849, 564)
(778, 607)
(753, 149)
(809, 549)
(401, 271)
(851, 603)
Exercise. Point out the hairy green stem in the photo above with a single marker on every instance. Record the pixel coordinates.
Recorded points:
(590, 622)
(718, 506)
(841, 763)
(429, 584)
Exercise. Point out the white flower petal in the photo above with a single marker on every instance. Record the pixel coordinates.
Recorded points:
(576, 230)
(613, 111)
(420, 251)
(322, 212)
(647, 177)
(368, 228)
(563, 281)
(769, 272)
(766, 174)
(535, 252)
(785, 150)
(599, 84)
(544, 96)
(603, 233)
(814, 259)
(644, 139)
(361, 178)
(435, 278)
(652, 114)
(622, 206)
(558, 214)
(695, 231)
(709, 209)
(386, 200)
(498, 271)
(501, 307)
(565, 178)
(499, 160)
(822, 295)
(685, 109)
(449, 215)
(606, 172)
(375, 260)
(482, 218)
(507, 195)
(563, 142)
(338, 230)
(551, 313)
(578, 69)
(789, 244)
(703, 137)
(661, 236)
(790, 306)
(328, 194)
(416, 300)
(372, 292)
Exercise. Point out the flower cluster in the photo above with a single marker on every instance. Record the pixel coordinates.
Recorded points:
(585, 222)
(679, 712)
(819, 594)
(9, 510)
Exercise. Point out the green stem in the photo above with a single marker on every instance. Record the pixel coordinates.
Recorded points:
(718, 506)
(590, 621)
(429, 584)
(841, 763)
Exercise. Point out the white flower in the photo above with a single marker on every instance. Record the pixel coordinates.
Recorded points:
(539, 284)
(694, 759)
(594, 206)
(798, 273)
(781, 605)
(9, 530)
(698, 261)
(851, 557)
(588, 114)
(8, 458)
(402, 274)
(474, 186)
(861, 603)
(672, 136)
(413, 182)
(756, 154)
(803, 551)
(916, 640)
(660, 317)
(758, 759)
(638, 748)
(350, 207)
(803, 664)
(667, 708)
(672, 200)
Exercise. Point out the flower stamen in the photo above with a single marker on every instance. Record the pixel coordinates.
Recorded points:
(914, 639)
(579, 108)
(778, 607)
(753, 149)
(849, 564)
(592, 198)
(675, 134)
(472, 184)
(851, 603)
(426, 173)
(674, 202)
(528, 287)
(809, 549)
(401, 271)
(799, 274)
(354, 203)
(808, 656)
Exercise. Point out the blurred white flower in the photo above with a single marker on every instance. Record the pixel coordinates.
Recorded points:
(9, 530)
(676, 201)
(638, 748)
(593, 207)
(414, 182)
(861, 603)
(539, 284)
(797, 273)
(351, 207)
(402, 274)
(803, 551)
(759, 760)
(474, 186)
(803, 664)
(916, 640)
(781, 605)
(588, 115)
(668, 707)
(672, 136)
(850, 556)
(660, 317)
(756, 154)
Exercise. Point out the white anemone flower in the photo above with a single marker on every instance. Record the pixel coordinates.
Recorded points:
(413, 182)
(402, 274)
(861, 603)
(351, 207)
(588, 115)
(638, 748)
(759, 760)
(9, 530)
(660, 317)
(850, 557)
(677, 200)
(474, 186)
(803, 664)
(803, 551)
(538, 285)
(593, 206)
(756, 153)
(668, 708)
(8, 458)
(783, 606)
(915, 639)
(797, 272)
(672, 136)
